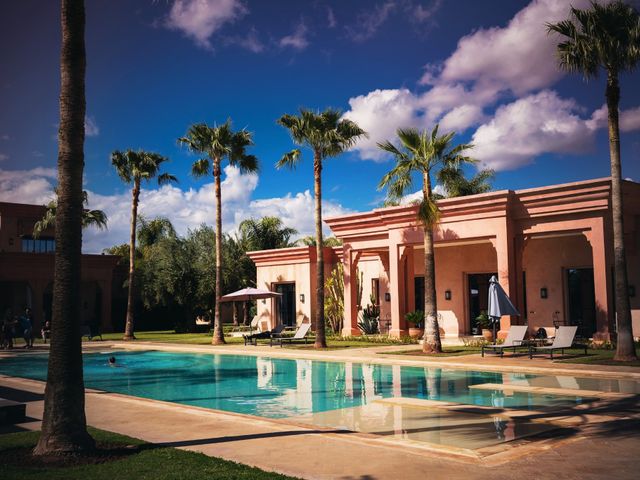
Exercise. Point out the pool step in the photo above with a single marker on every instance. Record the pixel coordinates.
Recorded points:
(11, 412)
(564, 392)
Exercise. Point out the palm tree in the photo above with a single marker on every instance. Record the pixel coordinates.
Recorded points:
(310, 241)
(607, 37)
(152, 231)
(218, 143)
(457, 185)
(327, 135)
(424, 153)
(90, 218)
(134, 167)
(64, 425)
(267, 233)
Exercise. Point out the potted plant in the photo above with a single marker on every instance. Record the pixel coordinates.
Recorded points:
(484, 323)
(416, 323)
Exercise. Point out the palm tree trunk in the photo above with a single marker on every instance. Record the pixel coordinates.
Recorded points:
(625, 349)
(218, 332)
(321, 341)
(135, 194)
(64, 425)
(431, 341)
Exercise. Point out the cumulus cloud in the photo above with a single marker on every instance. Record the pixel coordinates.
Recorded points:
(200, 19)
(27, 186)
(369, 21)
(187, 209)
(298, 39)
(380, 113)
(536, 124)
(488, 66)
(629, 120)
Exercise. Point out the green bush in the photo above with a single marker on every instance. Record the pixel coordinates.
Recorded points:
(369, 322)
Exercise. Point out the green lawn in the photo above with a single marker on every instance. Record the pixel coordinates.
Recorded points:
(599, 357)
(448, 352)
(147, 463)
(169, 336)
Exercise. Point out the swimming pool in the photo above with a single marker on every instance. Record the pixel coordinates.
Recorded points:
(280, 388)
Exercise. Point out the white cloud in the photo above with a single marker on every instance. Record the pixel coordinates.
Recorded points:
(5, 137)
(251, 41)
(27, 186)
(369, 21)
(420, 13)
(91, 128)
(3, 157)
(187, 209)
(460, 118)
(200, 19)
(629, 120)
(380, 113)
(488, 65)
(533, 125)
(298, 39)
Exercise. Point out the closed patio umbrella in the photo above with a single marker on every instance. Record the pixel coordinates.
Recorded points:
(499, 303)
(247, 294)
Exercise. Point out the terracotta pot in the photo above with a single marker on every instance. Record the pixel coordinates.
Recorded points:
(487, 334)
(416, 332)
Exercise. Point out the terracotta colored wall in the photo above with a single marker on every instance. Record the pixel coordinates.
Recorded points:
(300, 273)
(544, 263)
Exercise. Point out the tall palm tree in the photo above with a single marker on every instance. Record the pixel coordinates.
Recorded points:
(64, 425)
(327, 135)
(424, 153)
(458, 185)
(134, 167)
(267, 233)
(218, 144)
(90, 218)
(607, 37)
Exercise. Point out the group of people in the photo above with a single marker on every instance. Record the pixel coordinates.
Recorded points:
(14, 326)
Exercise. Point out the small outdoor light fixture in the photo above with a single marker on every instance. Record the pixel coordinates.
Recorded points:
(543, 292)
(302, 298)
(632, 290)
(387, 297)
(447, 294)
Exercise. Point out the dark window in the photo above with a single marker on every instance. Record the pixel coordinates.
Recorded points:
(375, 291)
(39, 245)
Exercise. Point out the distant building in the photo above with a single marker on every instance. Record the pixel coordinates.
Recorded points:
(551, 248)
(26, 270)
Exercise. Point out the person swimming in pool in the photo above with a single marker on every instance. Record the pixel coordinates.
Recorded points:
(112, 361)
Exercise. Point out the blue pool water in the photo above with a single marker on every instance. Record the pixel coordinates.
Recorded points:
(278, 388)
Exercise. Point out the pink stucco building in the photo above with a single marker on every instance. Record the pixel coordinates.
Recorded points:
(551, 248)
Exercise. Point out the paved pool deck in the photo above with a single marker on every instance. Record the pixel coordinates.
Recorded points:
(602, 440)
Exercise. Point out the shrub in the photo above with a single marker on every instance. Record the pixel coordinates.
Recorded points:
(369, 322)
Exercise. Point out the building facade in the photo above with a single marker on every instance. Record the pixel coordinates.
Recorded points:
(27, 264)
(551, 249)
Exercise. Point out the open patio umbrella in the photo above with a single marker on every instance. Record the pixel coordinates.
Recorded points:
(248, 294)
(499, 303)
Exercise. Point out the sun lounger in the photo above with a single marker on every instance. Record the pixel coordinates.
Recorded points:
(563, 339)
(300, 336)
(514, 339)
(253, 339)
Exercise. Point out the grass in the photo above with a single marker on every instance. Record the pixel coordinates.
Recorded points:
(149, 463)
(169, 336)
(599, 357)
(447, 352)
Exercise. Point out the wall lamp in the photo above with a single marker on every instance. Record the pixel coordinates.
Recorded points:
(302, 298)
(543, 292)
(447, 294)
(387, 297)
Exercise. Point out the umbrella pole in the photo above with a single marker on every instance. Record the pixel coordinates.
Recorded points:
(495, 338)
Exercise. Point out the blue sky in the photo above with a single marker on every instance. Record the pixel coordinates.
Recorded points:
(484, 69)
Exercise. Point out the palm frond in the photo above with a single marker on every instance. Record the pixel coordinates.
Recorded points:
(95, 218)
(166, 178)
(290, 159)
(201, 168)
(428, 212)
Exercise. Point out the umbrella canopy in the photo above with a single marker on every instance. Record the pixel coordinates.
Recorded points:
(499, 303)
(247, 294)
